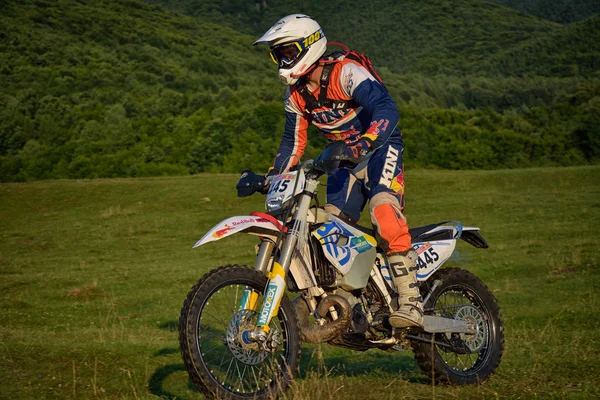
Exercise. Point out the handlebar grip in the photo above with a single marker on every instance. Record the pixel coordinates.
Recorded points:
(249, 183)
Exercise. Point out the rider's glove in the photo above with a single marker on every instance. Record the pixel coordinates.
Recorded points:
(358, 149)
(249, 183)
(268, 179)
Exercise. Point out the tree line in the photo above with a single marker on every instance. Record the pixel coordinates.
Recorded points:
(110, 89)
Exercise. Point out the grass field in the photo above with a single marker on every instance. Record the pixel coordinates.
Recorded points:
(93, 274)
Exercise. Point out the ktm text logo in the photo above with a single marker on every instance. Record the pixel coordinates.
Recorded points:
(389, 169)
(329, 116)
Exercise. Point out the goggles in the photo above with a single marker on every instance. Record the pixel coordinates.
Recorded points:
(287, 54)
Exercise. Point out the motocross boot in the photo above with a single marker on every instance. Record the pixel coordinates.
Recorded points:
(404, 271)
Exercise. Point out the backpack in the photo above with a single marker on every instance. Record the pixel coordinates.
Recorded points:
(328, 63)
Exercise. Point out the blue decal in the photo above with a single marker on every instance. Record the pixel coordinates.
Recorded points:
(329, 234)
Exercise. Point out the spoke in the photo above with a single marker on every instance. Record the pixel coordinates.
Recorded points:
(219, 318)
(204, 353)
(244, 372)
(228, 368)
(235, 302)
(239, 378)
(221, 363)
(255, 378)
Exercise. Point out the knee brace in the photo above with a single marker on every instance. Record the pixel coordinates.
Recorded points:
(389, 222)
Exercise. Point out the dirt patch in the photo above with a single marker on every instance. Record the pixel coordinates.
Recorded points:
(565, 271)
(86, 292)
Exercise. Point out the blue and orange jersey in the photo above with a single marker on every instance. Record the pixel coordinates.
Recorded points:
(373, 113)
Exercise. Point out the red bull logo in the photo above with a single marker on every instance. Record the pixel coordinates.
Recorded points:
(222, 232)
(347, 135)
(377, 126)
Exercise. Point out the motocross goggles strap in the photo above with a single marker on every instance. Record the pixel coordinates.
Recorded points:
(286, 55)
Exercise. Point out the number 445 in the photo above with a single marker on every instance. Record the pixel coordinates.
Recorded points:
(430, 257)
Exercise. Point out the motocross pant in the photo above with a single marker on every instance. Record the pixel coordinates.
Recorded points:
(379, 179)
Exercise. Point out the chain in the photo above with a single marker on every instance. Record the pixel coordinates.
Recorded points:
(428, 341)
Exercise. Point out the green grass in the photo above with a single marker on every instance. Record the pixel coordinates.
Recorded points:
(93, 274)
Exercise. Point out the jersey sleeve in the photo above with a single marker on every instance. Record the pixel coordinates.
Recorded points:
(294, 137)
(359, 84)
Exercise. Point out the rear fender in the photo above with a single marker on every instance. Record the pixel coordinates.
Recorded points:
(435, 247)
(258, 224)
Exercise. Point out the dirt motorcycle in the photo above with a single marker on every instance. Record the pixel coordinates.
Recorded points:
(240, 334)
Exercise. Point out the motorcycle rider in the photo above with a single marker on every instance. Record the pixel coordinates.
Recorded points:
(355, 107)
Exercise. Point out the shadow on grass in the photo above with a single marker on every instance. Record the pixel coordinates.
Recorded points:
(170, 326)
(155, 384)
(350, 364)
(166, 351)
(362, 363)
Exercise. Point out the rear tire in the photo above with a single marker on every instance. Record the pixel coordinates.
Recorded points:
(462, 295)
(210, 326)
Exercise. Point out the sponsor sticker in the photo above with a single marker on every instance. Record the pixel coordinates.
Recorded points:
(222, 232)
(268, 304)
(360, 244)
(421, 249)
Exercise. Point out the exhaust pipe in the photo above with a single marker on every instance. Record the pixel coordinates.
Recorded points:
(313, 333)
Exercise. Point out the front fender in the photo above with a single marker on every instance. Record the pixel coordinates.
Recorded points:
(256, 224)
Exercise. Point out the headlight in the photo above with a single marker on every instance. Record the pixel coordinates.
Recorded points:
(274, 203)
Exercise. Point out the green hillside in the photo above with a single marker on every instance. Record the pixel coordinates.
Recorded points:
(433, 36)
(563, 11)
(573, 50)
(105, 88)
(110, 88)
(461, 38)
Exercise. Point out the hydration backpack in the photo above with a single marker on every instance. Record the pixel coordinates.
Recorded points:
(328, 63)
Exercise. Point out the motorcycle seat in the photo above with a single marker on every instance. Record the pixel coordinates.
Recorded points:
(417, 234)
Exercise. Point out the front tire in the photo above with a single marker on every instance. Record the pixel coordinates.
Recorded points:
(470, 359)
(210, 326)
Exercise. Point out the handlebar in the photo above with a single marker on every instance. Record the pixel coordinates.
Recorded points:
(331, 158)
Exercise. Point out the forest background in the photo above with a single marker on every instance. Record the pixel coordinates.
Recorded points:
(106, 88)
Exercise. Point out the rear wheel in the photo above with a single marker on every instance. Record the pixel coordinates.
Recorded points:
(215, 355)
(461, 359)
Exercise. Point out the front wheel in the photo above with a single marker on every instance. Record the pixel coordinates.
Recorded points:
(211, 327)
(461, 359)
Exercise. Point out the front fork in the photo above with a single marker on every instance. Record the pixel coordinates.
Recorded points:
(263, 257)
(276, 285)
(273, 295)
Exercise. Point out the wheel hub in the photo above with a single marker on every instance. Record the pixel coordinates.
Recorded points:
(248, 353)
(476, 322)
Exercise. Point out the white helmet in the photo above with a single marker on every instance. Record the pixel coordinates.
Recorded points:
(297, 42)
